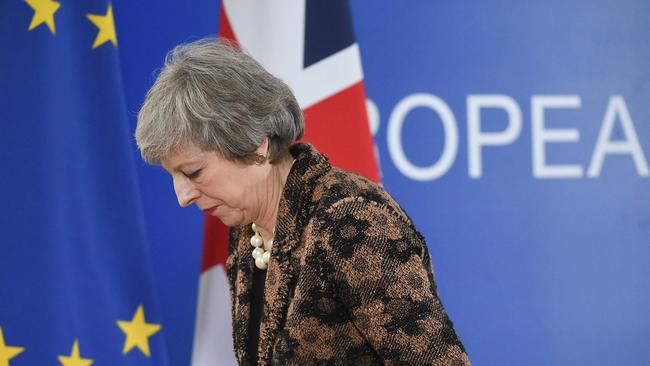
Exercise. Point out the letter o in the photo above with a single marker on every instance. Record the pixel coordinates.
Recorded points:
(396, 151)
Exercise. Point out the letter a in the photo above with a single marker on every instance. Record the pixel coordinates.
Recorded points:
(630, 145)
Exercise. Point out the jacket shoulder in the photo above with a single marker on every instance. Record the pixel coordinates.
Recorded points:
(339, 186)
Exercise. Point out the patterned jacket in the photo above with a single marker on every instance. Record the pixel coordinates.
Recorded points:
(350, 280)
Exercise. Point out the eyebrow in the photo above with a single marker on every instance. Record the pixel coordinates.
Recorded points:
(179, 166)
(184, 165)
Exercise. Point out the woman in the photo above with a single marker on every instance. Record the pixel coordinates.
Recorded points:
(324, 266)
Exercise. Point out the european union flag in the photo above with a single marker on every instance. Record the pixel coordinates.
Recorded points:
(75, 278)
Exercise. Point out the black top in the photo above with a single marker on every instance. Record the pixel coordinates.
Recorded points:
(257, 306)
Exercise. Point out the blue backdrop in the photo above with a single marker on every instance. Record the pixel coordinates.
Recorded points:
(516, 135)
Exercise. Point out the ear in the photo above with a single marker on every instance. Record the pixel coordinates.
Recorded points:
(263, 149)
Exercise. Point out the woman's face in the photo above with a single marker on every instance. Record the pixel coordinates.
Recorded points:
(217, 186)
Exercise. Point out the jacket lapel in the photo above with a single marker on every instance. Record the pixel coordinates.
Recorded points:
(293, 213)
(241, 276)
(279, 276)
(278, 286)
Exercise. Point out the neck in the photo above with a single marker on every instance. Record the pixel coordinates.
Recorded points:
(269, 198)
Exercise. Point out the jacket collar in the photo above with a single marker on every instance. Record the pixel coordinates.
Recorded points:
(293, 213)
(296, 201)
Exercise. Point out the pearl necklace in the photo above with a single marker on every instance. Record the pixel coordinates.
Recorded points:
(262, 255)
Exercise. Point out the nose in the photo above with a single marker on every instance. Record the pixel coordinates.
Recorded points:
(185, 191)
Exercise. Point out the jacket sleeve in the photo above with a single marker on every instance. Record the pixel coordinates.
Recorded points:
(380, 269)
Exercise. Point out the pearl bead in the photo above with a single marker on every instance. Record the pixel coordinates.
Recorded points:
(262, 251)
(256, 240)
(258, 252)
(259, 262)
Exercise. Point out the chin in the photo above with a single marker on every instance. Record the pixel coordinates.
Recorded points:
(232, 219)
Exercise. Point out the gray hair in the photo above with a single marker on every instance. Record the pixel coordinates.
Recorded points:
(216, 97)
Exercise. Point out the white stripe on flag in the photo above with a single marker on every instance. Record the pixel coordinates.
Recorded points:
(212, 333)
(273, 33)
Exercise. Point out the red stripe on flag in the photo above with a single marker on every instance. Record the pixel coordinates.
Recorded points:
(225, 30)
(215, 243)
(338, 127)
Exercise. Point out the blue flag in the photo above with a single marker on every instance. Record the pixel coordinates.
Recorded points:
(75, 277)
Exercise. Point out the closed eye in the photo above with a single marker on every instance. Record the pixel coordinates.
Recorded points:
(193, 175)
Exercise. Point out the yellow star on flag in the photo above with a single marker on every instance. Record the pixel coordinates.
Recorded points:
(43, 13)
(7, 352)
(137, 332)
(106, 27)
(74, 359)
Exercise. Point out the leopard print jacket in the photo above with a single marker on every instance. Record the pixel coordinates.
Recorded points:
(350, 280)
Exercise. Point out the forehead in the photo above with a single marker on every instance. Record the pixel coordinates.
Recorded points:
(182, 156)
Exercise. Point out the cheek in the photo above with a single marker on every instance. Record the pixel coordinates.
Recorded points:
(231, 185)
(227, 191)
(240, 199)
